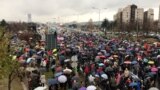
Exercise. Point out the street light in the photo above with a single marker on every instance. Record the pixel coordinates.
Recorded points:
(99, 11)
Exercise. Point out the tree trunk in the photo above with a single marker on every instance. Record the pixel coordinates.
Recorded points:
(9, 81)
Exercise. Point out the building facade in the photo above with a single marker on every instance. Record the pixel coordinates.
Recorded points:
(139, 15)
(150, 14)
(126, 14)
(133, 14)
(159, 19)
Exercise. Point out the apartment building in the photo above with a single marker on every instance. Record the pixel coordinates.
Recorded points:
(139, 15)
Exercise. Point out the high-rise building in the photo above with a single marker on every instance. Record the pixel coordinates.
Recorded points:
(29, 18)
(133, 9)
(132, 14)
(150, 14)
(139, 15)
(126, 14)
(159, 19)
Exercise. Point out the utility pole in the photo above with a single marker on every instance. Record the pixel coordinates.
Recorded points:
(99, 16)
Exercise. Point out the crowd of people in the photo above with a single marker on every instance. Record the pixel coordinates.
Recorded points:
(85, 61)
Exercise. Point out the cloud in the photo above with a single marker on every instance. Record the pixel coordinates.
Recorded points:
(46, 10)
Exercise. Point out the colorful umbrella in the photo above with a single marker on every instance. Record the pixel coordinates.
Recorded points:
(62, 79)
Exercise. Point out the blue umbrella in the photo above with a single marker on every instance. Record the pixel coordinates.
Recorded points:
(58, 74)
(52, 82)
(132, 84)
(145, 60)
(134, 62)
(101, 64)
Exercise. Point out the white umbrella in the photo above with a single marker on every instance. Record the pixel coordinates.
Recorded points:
(91, 87)
(67, 60)
(158, 56)
(104, 76)
(29, 60)
(62, 79)
(153, 88)
(41, 88)
(67, 70)
(91, 78)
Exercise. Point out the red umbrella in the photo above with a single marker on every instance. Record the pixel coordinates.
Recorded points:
(127, 62)
(102, 57)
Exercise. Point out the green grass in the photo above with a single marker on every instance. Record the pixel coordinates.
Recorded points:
(16, 85)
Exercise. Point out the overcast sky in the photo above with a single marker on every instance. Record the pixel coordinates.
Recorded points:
(67, 10)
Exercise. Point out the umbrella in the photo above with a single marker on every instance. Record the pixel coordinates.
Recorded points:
(91, 78)
(91, 87)
(104, 76)
(82, 88)
(153, 88)
(127, 62)
(151, 62)
(67, 70)
(101, 64)
(102, 57)
(145, 60)
(158, 56)
(154, 69)
(132, 84)
(135, 77)
(59, 69)
(29, 60)
(115, 56)
(97, 75)
(121, 49)
(134, 62)
(41, 88)
(158, 67)
(62, 79)
(67, 60)
(58, 74)
(52, 82)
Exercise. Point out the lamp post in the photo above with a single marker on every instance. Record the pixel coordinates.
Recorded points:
(99, 12)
